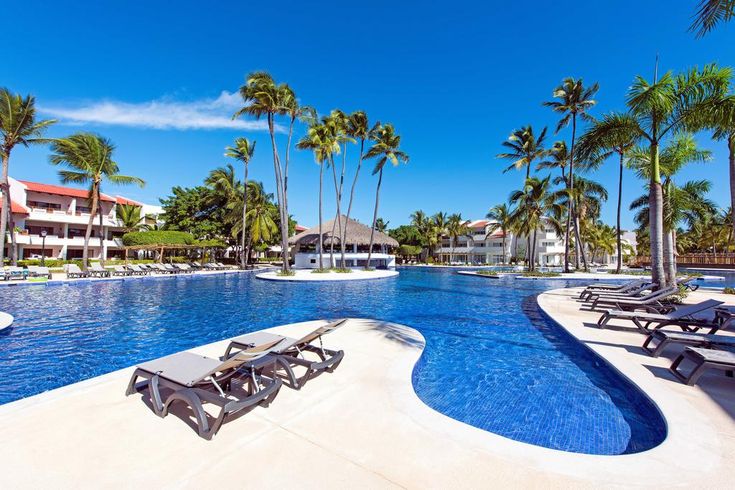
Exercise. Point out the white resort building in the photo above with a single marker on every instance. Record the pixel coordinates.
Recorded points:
(61, 214)
(306, 246)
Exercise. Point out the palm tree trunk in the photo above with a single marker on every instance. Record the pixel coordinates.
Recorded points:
(352, 193)
(375, 218)
(337, 223)
(504, 256)
(341, 185)
(620, 201)
(88, 232)
(655, 206)
(280, 195)
(669, 267)
(244, 258)
(102, 235)
(731, 148)
(6, 211)
(533, 254)
(575, 218)
(321, 241)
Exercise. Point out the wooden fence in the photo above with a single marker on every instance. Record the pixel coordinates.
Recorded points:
(723, 260)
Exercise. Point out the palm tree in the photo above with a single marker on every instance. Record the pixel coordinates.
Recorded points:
(456, 227)
(524, 148)
(501, 216)
(681, 150)
(321, 141)
(575, 101)
(262, 97)
(18, 126)
(259, 218)
(89, 158)
(381, 225)
(667, 106)
(358, 128)
(386, 148)
(601, 238)
(723, 122)
(710, 13)
(599, 143)
(559, 154)
(535, 205)
(130, 217)
(336, 122)
(242, 151)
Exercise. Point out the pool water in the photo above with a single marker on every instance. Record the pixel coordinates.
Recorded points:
(492, 358)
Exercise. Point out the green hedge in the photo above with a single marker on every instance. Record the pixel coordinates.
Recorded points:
(157, 238)
(409, 250)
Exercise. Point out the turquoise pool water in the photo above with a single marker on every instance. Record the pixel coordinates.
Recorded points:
(492, 359)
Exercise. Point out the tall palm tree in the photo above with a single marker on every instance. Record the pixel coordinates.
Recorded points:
(710, 13)
(535, 205)
(259, 219)
(723, 122)
(321, 141)
(574, 101)
(381, 225)
(358, 128)
(558, 158)
(681, 150)
(600, 238)
(263, 97)
(89, 158)
(386, 148)
(456, 227)
(336, 122)
(524, 149)
(669, 105)
(18, 126)
(599, 143)
(501, 216)
(242, 151)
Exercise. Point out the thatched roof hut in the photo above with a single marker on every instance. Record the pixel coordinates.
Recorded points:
(357, 234)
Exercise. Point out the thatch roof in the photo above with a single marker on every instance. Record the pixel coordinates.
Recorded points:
(357, 234)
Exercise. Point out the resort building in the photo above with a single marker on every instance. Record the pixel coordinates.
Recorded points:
(484, 245)
(306, 246)
(61, 214)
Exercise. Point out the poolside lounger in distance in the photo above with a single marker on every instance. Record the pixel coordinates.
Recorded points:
(620, 288)
(650, 301)
(291, 352)
(703, 360)
(658, 340)
(120, 270)
(73, 271)
(97, 270)
(682, 316)
(196, 380)
(637, 291)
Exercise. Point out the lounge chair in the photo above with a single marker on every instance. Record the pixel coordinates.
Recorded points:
(290, 352)
(73, 271)
(120, 270)
(703, 359)
(184, 268)
(658, 340)
(649, 302)
(620, 288)
(681, 317)
(38, 271)
(136, 270)
(210, 266)
(171, 269)
(686, 283)
(222, 266)
(14, 272)
(637, 291)
(96, 270)
(196, 380)
(158, 269)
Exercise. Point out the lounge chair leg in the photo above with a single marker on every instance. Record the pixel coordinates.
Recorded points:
(603, 320)
(156, 397)
(190, 398)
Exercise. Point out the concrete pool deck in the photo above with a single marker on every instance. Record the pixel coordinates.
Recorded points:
(362, 426)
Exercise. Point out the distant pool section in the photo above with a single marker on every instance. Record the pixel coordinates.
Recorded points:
(492, 359)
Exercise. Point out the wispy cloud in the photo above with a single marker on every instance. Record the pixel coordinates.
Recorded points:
(165, 113)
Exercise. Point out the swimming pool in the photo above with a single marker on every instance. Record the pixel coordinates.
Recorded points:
(492, 359)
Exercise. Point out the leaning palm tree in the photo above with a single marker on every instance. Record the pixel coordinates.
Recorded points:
(262, 97)
(574, 101)
(336, 122)
(386, 148)
(242, 151)
(524, 149)
(667, 106)
(89, 158)
(18, 126)
(599, 143)
(501, 217)
(320, 140)
(710, 13)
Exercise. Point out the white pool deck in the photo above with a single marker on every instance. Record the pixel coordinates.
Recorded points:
(307, 275)
(360, 427)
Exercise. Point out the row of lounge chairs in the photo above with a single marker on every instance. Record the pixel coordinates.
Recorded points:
(702, 350)
(19, 273)
(248, 374)
(96, 270)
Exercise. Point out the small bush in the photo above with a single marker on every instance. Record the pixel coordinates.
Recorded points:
(729, 290)
(541, 274)
(342, 270)
(321, 270)
(287, 273)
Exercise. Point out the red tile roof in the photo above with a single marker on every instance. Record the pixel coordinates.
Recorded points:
(16, 207)
(61, 191)
(480, 223)
(125, 200)
(300, 228)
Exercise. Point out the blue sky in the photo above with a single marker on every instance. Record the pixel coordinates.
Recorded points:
(455, 79)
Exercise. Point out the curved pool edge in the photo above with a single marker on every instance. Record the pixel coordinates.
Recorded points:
(306, 275)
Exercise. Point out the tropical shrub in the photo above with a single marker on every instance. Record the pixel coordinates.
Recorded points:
(157, 238)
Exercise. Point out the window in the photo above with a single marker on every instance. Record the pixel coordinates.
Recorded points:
(78, 232)
(36, 230)
(84, 209)
(44, 205)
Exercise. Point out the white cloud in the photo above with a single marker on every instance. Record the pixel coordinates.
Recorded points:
(163, 113)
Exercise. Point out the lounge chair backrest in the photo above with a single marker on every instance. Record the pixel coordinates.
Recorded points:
(42, 270)
(688, 310)
(242, 357)
(120, 268)
(684, 280)
(97, 267)
(73, 268)
(650, 298)
(323, 330)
